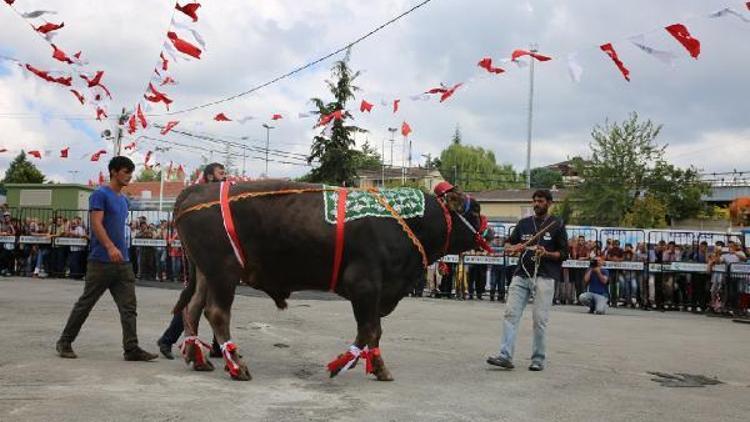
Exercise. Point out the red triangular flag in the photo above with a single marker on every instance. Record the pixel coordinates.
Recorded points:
(141, 116)
(60, 55)
(184, 46)
(189, 9)
(79, 96)
(327, 118)
(100, 113)
(169, 127)
(681, 34)
(221, 117)
(49, 27)
(157, 97)
(130, 146)
(62, 80)
(365, 106)
(164, 61)
(448, 92)
(607, 48)
(35, 153)
(277, 117)
(405, 129)
(520, 53)
(10, 2)
(486, 63)
(98, 154)
(64, 152)
(395, 105)
(131, 124)
(748, 5)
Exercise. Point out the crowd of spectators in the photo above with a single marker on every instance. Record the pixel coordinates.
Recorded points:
(700, 291)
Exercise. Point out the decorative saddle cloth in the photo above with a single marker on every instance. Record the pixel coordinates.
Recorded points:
(407, 202)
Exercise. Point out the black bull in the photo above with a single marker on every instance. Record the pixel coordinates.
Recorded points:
(289, 247)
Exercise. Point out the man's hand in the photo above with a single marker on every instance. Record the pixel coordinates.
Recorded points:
(540, 251)
(114, 254)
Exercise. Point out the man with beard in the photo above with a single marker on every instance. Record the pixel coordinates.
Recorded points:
(213, 173)
(542, 241)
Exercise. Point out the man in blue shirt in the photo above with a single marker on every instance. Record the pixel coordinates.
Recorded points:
(597, 292)
(108, 265)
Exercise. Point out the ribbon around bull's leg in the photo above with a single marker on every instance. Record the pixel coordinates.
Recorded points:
(231, 365)
(201, 349)
(346, 361)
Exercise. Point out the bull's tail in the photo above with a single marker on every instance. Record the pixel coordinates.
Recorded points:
(189, 290)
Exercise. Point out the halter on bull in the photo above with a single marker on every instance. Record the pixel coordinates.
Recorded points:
(272, 236)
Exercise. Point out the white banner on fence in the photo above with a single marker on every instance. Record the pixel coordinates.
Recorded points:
(450, 259)
(177, 243)
(149, 242)
(71, 241)
(7, 239)
(740, 268)
(38, 240)
(484, 259)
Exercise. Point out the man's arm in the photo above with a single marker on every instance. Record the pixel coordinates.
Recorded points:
(604, 279)
(97, 225)
(587, 277)
(560, 239)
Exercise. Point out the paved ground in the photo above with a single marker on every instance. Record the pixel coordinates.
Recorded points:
(435, 348)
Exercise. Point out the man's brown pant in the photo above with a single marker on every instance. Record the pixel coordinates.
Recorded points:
(120, 281)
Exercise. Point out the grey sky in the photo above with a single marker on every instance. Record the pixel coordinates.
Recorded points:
(702, 103)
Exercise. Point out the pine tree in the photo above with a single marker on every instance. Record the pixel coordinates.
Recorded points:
(337, 158)
(22, 171)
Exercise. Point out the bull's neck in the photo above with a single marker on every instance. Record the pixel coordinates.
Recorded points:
(432, 229)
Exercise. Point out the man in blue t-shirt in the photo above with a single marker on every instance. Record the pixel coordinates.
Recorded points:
(597, 291)
(108, 265)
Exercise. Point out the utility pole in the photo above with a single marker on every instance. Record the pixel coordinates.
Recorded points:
(124, 115)
(428, 165)
(403, 162)
(533, 48)
(382, 163)
(74, 173)
(268, 140)
(393, 131)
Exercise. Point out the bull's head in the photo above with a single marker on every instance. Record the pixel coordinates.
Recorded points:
(468, 221)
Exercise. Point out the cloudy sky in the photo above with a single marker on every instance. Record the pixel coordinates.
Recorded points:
(703, 104)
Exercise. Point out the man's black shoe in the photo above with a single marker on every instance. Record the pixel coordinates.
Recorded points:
(65, 350)
(500, 361)
(165, 349)
(139, 355)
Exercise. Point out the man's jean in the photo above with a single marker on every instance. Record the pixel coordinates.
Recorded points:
(518, 296)
(594, 301)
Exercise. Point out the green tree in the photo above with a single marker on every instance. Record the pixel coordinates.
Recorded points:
(647, 212)
(627, 163)
(148, 175)
(563, 209)
(544, 178)
(366, 158)
(335, 154)
(22, 170)
(474, 168)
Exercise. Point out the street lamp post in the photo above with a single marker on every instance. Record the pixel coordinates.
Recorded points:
(268, 137)
(533, 49)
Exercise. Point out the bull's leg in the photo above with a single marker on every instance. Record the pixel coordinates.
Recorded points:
(367, 314)
(192, 318)
(218, 314)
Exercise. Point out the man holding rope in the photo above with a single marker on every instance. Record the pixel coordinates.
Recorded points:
(542, 242)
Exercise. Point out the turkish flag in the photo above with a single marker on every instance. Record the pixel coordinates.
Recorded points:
(327, 118)
(405, 129)
(520, 53)
(36, 154)
(277, 117)
(607, 48)
(221, 117)
(486, 63)
(681, 34)
(448, 92)
(189, 9)
(141, 116)
(184, 46)
(98, 154)
(169, 127)
(132, 127)
(100, 112)
(64, 152)
(365, 106)
(60, 55)
(395, 105)
(79, 96)
(62, 80)
(164, 61)
(157, 97)
(49, 27)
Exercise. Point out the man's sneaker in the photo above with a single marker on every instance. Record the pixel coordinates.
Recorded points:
(165, 349)
(139, 354)
(536, 366)
(500, 361)
(65, 350)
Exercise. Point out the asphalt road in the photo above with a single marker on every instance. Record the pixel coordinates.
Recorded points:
(598, 367)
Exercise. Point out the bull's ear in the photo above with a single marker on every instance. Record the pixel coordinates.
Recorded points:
(455, 201)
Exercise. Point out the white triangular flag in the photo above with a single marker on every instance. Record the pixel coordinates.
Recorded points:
(244, 120)
(198, 37)
(303, 115)
(666, 57)
(729, 11)
(574, 69)
(37, 13)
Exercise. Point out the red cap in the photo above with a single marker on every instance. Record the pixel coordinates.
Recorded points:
(442, 188)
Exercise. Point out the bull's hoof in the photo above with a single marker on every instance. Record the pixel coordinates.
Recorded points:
(207, 366)
(384, 375)
(243, 374)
